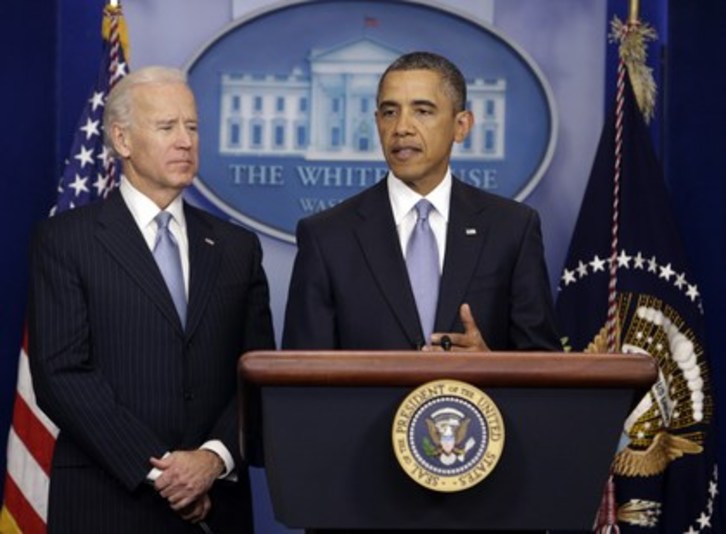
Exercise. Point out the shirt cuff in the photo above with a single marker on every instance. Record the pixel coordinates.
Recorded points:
(152, 475)
(220, 450)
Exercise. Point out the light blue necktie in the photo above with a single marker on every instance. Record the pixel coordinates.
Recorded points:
(166, 254)
(422, 262)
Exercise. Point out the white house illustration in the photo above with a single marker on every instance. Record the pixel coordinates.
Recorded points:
(329, 114)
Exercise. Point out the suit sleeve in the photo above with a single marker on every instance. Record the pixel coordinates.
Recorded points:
(532, 321)
(258, 318)
(70, 389)
(256, 323)
(310, 321)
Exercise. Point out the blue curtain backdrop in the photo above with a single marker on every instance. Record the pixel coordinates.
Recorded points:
(28, 161)
(694, 145)
(49, 56)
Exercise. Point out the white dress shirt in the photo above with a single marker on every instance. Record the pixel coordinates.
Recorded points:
(403, 203)
(143, 210)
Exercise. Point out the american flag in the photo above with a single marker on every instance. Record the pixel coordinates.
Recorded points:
(90, 173)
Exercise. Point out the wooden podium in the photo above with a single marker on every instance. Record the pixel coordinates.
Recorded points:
(325, 420)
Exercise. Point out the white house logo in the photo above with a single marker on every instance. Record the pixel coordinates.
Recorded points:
(448, 435)
(287, 100)
(328, 115)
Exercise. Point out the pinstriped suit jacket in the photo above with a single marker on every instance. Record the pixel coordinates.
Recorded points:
(116, 372)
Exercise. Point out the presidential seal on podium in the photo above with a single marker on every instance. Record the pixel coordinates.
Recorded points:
(448, 435)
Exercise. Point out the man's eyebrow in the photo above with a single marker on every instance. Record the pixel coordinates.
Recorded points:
(171, 120)
(424, 102)
(419, 102)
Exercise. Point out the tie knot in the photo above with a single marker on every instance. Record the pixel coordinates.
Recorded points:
(162, 219)
(423, 207)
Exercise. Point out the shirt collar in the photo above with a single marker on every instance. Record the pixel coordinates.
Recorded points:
(403, 198)
(143, 209)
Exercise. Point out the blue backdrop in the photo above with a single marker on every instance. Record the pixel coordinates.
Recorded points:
(50, 55)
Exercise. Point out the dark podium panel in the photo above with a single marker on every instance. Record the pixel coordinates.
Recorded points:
(326, 421)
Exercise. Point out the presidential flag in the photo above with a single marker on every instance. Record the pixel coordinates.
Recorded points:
(626, 287)
(90, 173)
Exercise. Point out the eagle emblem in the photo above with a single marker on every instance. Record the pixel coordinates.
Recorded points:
(661, 429)
(448, 430)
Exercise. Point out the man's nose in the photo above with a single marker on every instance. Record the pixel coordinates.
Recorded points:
(403, 124)
(184, 137)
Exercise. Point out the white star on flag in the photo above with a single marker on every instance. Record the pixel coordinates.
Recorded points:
(692, 292)
(104, 155)
(120, 70)
(101, 183)
(666, 272)
(704, 520)
(581, 269)
(97, 100)
(568, 277)
(597, 264)
(91, 128)
(85, 156)
(79, 185)
(624, 260)
(680, 281)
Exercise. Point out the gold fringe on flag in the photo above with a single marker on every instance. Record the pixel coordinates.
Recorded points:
(108, 12)
(632, 37)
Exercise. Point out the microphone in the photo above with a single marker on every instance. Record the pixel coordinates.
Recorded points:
(446, 343)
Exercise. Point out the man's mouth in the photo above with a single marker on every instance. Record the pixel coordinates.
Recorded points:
(405, 152)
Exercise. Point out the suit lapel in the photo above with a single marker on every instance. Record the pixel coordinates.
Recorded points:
(205, 255)
(120, 236)
(377, 236)
(464, 240)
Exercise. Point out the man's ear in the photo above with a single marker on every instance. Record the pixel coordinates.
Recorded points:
(464, 124)
(120, 140)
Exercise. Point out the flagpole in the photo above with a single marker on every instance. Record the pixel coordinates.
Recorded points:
(607, 518)
(633, 12)
(631, 37)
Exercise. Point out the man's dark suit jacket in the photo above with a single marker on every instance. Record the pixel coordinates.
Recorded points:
(116, 372)
(350, 288)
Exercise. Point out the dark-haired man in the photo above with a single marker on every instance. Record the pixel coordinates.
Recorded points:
(356, 280)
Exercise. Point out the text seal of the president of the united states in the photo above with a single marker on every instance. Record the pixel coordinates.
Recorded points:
(448, 435)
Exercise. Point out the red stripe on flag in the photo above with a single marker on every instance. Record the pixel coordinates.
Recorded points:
(33, 434)
(21, 510)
